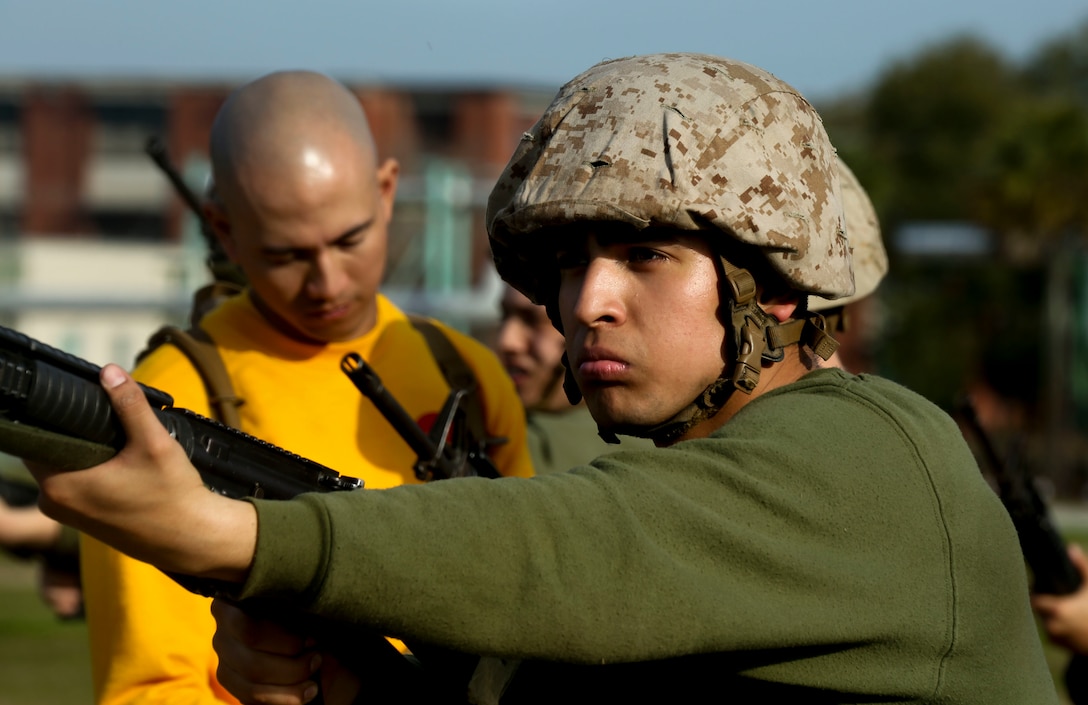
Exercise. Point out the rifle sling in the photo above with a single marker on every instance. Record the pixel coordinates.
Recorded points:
(202, 352)
(458, 375)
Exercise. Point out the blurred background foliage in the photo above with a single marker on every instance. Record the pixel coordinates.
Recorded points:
(991, 156)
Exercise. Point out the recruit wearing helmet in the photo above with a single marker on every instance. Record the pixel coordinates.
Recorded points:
(868, 258)
(686, 142)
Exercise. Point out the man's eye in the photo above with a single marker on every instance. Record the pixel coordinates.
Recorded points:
(570, 260)
(643, 254)
(277, 259)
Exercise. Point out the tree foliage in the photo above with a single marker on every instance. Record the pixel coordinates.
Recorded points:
(930, 120)
(1033, 177)
(958, 132)
(1060, 67)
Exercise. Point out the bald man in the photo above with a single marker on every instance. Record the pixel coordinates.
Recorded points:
(303, 206)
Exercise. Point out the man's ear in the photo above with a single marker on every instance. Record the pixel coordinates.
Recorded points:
(782, 308)
(216, 217)
(387, 176)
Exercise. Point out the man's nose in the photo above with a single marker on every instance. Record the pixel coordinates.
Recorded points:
(512, 336)
(327, 276)
(600, 293)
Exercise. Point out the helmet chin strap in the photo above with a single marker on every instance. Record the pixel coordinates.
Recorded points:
(756, 337)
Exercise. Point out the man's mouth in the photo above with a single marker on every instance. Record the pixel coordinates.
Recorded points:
(328, 313)
(598, 365)
(519, 373)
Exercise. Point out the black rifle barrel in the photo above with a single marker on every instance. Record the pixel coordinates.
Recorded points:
(368, 382)
(157, 151)
(52, 390)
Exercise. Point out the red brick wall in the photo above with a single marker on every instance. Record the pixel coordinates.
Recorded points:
(189, 125)
(57, 127)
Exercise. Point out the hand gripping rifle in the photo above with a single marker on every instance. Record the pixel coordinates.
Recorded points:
(53, 410)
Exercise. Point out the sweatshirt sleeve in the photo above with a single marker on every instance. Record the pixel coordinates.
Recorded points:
(705, 547)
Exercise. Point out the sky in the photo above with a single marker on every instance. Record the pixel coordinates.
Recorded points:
(823, 48)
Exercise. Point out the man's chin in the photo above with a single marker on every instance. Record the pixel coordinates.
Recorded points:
(619, 421)
(332, 330)
(333, 334)
(309, 332)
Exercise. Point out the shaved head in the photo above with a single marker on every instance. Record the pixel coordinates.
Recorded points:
(286, 121)
(302, 204)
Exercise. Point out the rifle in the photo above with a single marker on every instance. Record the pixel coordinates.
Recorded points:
(222, 269)
(1043, 547)
(49, 397)
(437, 457)
(157, 151)
(47, 390)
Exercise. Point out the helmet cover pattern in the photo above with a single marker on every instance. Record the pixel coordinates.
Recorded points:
(680, 141)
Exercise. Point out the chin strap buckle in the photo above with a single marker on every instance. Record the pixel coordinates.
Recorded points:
(815, 336)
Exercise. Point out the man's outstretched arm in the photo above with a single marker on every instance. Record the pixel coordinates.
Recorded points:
(149, 501)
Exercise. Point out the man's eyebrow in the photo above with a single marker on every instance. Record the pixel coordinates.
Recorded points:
(566, 242)
(631, 236)
(352, 232)
(339, 241)
(273, 250)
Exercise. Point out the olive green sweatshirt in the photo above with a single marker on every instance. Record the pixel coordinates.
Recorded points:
(833, 542)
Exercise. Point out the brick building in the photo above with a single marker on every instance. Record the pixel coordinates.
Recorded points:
(72, 160)
(74, 178)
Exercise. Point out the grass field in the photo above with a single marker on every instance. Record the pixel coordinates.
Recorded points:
(44, 661)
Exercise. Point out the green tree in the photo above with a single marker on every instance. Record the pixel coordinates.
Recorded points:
(957, 132)
(930, 118)
(1060, 67)
(1033, 178)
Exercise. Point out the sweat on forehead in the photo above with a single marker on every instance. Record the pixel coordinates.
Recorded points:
(682, 141)
(277, 119)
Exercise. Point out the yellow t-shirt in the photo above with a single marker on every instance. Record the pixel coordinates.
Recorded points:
(150, 638)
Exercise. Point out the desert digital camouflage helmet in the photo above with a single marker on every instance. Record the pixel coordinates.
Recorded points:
(868, 258)
(683, 141)
(687, 142)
